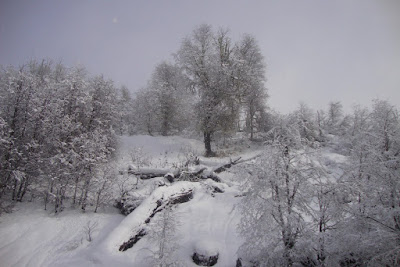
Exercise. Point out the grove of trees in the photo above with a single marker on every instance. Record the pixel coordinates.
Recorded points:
(298, 212)
(56, 131)
(212, 86)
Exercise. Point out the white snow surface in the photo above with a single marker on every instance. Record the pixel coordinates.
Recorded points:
(207, 223)
(31, 236)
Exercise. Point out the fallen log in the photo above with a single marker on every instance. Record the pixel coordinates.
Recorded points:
(226, 166)
(132, 241)
(148, 173)
(196, 175)
(174, 199)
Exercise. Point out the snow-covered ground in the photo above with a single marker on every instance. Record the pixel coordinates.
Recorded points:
(31, 236)
(206, 224)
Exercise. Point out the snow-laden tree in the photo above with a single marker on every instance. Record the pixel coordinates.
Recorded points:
(22, 108)
(56, 125)
(359, 121)
(211, 84)
(303, 117)
(144, 112)
(324, 207)
(172, 97)
(249, 79)
(125, 121)
(374, 181)
(272, 224)
(336, 121)
(206, 59)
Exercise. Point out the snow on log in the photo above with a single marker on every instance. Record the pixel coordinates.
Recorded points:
(135, 224)
(226, 166)
(147, 173)
(192, 175)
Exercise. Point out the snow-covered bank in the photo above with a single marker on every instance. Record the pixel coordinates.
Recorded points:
(31, 236)
(207, 223)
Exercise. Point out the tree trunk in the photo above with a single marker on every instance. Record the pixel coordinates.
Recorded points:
(22, 189)
(15, 189)
(252, 113)
(99, 192)
(165, 125)
(75, 190)
(207, 144)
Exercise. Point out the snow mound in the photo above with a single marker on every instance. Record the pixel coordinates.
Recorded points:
(207, 247)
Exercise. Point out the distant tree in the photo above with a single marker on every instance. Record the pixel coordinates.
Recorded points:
(359, 121)
(125, 122)
(321, 124)
(171, 95)
(334, 117)
(305, 121)
(249, 79)
(145, 116)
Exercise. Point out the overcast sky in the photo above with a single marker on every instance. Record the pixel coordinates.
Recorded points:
(316, 51)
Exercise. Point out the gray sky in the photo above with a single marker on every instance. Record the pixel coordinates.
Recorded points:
(316, 51)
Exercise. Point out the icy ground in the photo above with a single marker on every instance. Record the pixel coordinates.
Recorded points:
(205, 224)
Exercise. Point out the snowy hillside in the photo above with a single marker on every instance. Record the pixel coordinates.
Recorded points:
(206, 223)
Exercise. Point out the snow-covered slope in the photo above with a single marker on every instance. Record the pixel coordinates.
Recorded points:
(206, 223)
(31, 236)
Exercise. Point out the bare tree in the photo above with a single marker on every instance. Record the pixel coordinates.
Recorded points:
(89, 229)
